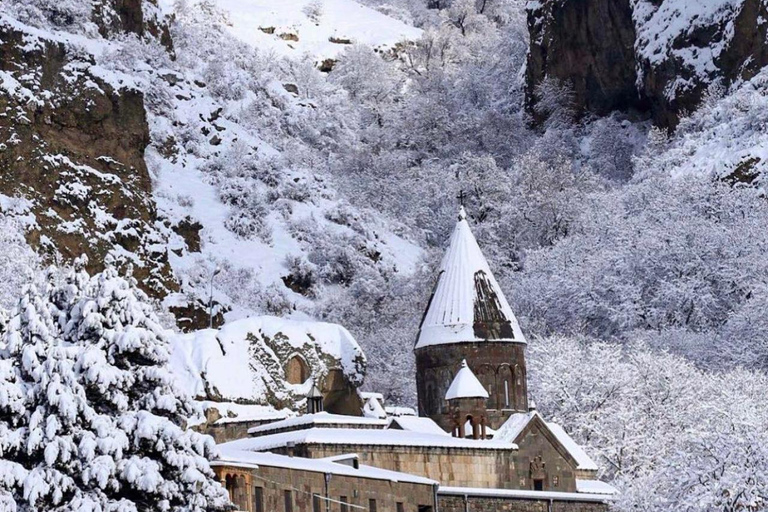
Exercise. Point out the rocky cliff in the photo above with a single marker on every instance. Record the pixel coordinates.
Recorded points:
(657, 58)
(72, 141)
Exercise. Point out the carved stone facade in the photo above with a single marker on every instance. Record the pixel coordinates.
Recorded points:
(543, 463)
(500, 367)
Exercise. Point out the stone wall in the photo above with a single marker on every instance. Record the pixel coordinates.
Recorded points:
(490, 504)
(274, 482)
(541, 457)
(456, 467)
(500, 366)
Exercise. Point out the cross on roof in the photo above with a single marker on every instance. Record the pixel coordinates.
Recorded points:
(461, 197)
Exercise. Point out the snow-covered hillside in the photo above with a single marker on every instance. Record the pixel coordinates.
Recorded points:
(321, 29)
(242, 206)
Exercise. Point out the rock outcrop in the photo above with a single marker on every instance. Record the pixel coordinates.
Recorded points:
(72, 144)
(590, 45)
(654, 57)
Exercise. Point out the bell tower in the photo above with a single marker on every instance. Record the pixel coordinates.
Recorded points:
(469, 319)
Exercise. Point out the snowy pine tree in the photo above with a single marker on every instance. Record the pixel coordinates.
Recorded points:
(90, 418)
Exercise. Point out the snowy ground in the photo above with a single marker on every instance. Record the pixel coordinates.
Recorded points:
(342, 21)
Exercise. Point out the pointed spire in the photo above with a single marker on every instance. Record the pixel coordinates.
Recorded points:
(465, 385)
(467, 304)
(531, 405)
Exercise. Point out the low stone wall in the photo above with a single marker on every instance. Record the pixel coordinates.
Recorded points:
(493, 504)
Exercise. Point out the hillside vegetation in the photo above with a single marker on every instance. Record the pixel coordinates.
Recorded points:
(269, 176)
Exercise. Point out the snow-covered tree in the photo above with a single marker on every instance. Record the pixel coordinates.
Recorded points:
(90, 417)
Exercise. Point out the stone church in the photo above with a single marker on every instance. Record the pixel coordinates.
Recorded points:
(478, 443)
(468, 319)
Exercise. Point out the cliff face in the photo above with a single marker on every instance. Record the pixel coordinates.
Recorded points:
(72, 142)
(655, 57)
(588, 44)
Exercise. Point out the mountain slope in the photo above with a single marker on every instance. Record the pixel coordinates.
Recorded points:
(182, 161)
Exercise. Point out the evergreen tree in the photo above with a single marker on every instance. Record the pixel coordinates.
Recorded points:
(90, 417)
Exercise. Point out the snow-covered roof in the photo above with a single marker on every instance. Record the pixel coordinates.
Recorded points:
(584, 461)
(222, 362)
(373, 409)
(390, 437)
(516, 423)
(467, 304)
(235, 413)
(523, 494)
(465, 385)
(318, 419)
(232, 456)
(314, 392)
(399, 411)
(595, 487)
(417, 424)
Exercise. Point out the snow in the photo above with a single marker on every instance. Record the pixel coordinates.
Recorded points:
(465, 385)
(400, 411)
(221, 360)
(234, 413)
(583, 460)
(516, 423)
(232, 456)
(514, 493)
(373, 409)
(660, 26)
(318, 419)
(594, 487)
(340, 20)
(336, 436)
(417, 424)
(451, 314)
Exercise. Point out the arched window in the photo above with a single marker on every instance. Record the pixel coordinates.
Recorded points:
(296, 370)
(506, 385)
(487, 377)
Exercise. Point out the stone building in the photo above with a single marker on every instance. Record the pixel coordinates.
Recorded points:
(468, 319)
(266, 482)
(478, 435)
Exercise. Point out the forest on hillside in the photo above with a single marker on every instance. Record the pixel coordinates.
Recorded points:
(633, 253)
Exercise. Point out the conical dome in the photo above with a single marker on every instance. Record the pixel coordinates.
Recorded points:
(465, 385)
(467, 304)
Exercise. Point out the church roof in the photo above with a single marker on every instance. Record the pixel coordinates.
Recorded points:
(373, 409)
(467, 304)
(465, 385)
(515, 425)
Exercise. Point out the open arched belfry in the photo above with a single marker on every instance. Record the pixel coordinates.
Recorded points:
(468, 318)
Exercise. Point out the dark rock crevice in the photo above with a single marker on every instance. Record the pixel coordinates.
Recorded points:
(593, 47)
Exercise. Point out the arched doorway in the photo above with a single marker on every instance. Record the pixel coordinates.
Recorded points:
(296, 370)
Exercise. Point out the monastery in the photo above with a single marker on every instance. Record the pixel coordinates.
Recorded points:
(477, 444)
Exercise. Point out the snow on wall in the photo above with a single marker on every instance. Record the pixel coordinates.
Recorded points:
(243, 361)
